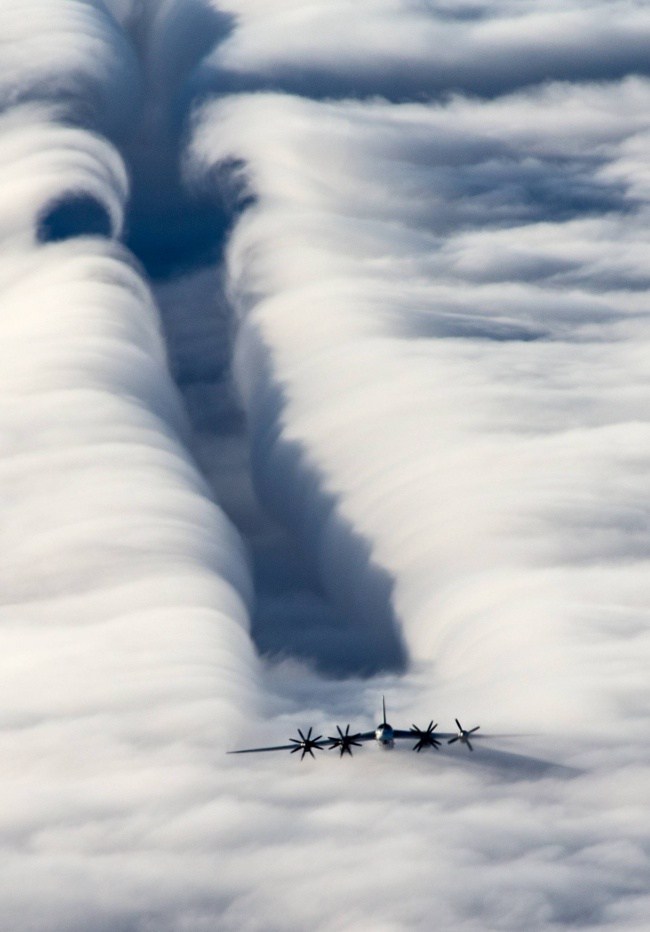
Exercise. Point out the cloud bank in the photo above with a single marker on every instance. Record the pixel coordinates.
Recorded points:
(437, 298)
(71, 52)
(125, 590)
(442, 351)
(404, 49)
(460, 366)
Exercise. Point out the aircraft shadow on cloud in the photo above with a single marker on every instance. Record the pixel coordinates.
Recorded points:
(384, 735)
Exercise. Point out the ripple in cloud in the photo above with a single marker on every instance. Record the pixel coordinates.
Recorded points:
(440, 324)
(443, 335)
(124, 590)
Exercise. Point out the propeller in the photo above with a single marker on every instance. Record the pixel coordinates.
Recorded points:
(345, 741)
(463, 735)
(306, 744)
(425, 738)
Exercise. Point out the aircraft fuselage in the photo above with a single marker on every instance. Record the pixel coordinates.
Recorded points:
(384, 736)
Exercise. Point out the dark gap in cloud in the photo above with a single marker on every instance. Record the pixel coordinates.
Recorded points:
(344, 625)
(215, 413)
(173, 40)
(506, 188)
(315, 83)
(341, 623)
(178, 234)
(197, 31)
(437, 325)
(520, 267)
(597, 282)
(175, 237)
(295, 618)
(409, 82)
(462, 12)
(171, 228)
(74, 215)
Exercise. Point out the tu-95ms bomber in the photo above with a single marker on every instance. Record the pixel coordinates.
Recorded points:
(384, 734)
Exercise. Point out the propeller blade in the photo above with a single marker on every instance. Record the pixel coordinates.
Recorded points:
(425, 737)
(345, 741)
(463, 735)
(426, 744)
(305, 743)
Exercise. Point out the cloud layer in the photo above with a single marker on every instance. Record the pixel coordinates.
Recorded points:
(125, 590)
(461, 368)
(404, 49)
(437, 295)
(443, 355)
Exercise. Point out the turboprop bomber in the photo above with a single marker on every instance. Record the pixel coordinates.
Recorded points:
(383, 734)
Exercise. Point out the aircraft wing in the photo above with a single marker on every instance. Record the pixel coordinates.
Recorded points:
(400, 733)
(365, 736)
(277, 747)
(304, 743)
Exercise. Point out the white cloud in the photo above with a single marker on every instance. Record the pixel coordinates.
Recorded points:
(443, 354)
(71, 52)
(44, 163)
(404, 48)
(442, 351)
(125, 590)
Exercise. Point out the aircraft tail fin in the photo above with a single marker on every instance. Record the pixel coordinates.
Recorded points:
(383, 705)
